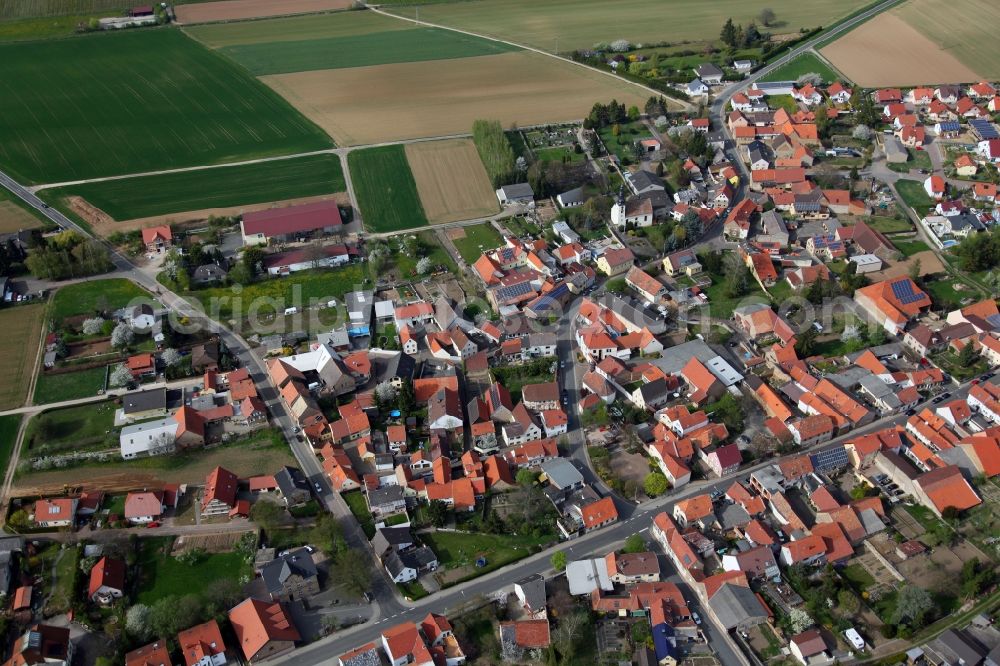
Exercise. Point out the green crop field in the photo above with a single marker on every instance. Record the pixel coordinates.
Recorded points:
(564, 25)
(806, 63)
(241, 185)
(295, 28)
(377, 48)
(140, 100)
(386, 191)
(19, 9)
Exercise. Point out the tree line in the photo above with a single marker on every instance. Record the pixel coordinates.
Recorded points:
(495, 151)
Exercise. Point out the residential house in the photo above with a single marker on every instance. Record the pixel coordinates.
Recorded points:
(264, 630)
(107, 580)
(291, 577)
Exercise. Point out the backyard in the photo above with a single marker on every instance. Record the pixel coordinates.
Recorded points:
(912, 192)
(88, 298)
(163, 575)
(463, 549)
(69, 385)
(475, 240)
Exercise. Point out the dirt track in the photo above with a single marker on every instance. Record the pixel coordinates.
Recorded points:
(451, 180)
(234, 10)
(888, 51)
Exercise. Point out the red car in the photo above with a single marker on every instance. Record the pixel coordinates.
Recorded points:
(152, 524)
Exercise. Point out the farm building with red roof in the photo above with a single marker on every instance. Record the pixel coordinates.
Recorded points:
(290, 222)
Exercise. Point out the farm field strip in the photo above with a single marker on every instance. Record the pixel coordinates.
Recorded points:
(451, 180)
(234, 10)
(94, 106)
(442, 98)
(261, 182)
(964, 29)
(22, 327)
(294, 29)
(376, 48)
(889, 51)
(22, 9)
(564, 25)
(385, 188)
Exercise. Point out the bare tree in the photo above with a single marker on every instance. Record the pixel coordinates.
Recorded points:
(766, 16)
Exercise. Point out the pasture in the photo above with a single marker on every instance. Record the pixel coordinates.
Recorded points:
(807, 63)
(97, 106)
(451, 180)
(22, 327)
(565, 25)
(418, 99)
(888, 51)
(375, 48)
(294, 29)
(235, 10)
(965, 29)
(385, 189)
(227, 186)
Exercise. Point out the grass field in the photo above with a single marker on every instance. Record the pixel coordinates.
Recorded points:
(22, 327)
(145, 196)
(889, 225)
(69, 385)
(564, 25)
(14, 215)
(462, 549)
(376, 48)
(359, 507)
(888, 50)
(913, 193)
(964, 28)
(910, 248)
(95, 105)
(318, 284)
(77, 428)
(451, 180)
(9, 426)
(93, 296)
(806, 63)
(418, 99)
(386, 191)
(263, 454)
(163, 575)
(478, 238)
(294, 29)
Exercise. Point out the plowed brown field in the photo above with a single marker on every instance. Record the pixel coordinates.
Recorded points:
(888, 51)
(451, 180)
(234, 10)
(363, 105)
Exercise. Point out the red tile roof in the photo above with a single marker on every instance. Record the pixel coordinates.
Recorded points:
(108, 572)
(220, 485)
(292, 219)
(256, 623)
(200, 641)
(599, 512)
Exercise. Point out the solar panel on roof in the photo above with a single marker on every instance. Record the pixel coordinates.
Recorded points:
(903, 291)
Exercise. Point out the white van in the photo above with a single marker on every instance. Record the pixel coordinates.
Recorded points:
(291, 311)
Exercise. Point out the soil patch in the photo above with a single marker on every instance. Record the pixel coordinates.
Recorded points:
(451, 180)
(888, 51)
(929, 265)
(223, 542)
(234, 10)
(455, 233)
(444, 97)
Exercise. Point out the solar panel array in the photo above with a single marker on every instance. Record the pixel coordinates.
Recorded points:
(515, 291)
(903, 291)
(984, 129)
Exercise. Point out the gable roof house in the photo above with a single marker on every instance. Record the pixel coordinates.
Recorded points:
(263, 630)
(219, 498)
(107, 580)
(893, 303)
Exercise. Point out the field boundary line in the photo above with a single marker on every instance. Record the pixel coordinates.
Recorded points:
(826, 61)
(685, 106)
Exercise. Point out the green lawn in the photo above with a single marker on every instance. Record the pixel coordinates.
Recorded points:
(86, 298)
(807, 63)
(66, 572)
(97, 105)
(407, 264)
(458, 549)
(559, 154)
(77, 428)
(386, 191)
(9, 426)
(942, 292)
(910, 248)
(721, 306)
(857, 576)
(478, 238)
(623, 145)
(363, 50)
(68, 386)
(268, 294)
(359, 507)
(162, 575)
(912, 192)
(564, 25)
(246, 184)
(786, 102)
(889, 225)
